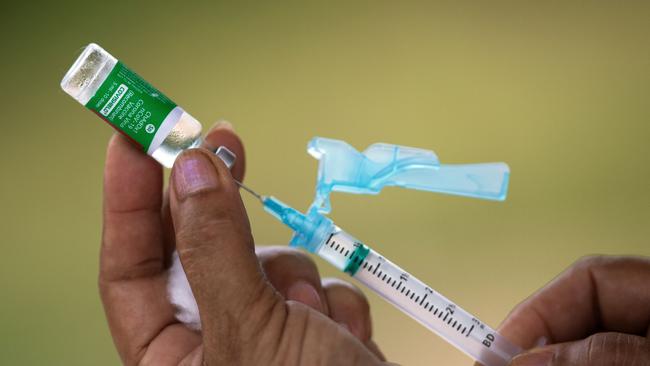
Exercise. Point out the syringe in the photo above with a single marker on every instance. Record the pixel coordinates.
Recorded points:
(318, 234)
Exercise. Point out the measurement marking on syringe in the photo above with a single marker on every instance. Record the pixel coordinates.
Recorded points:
(402, 285)
(470, 331)
(411, 294)
(425, 296)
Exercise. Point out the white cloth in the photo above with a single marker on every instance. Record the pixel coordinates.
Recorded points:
(181, 296)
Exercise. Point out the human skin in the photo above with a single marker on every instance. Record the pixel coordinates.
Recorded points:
(268, 307)
(595, 313)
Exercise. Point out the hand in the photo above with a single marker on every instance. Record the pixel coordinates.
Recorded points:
(269, 309)
(595, 313)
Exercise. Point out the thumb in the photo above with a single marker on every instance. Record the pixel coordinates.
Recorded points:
(600, 349)
(216, 248)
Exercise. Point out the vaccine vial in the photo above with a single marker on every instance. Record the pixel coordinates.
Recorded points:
(131, 105)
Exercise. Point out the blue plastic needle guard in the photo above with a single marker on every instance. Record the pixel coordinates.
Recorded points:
(344, 169)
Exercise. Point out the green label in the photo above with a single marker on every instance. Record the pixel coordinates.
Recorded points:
(131, 105)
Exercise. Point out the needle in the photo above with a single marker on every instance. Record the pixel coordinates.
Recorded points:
(257, 195)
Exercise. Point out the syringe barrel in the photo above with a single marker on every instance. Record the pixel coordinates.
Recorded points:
(416, 299)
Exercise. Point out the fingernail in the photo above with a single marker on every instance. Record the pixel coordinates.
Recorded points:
(305, 293)
(193, 172)
(541, 342)
(533, 358)
(223, 124)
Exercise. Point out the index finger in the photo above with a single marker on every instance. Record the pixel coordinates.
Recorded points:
(595, 294)
(132, 280)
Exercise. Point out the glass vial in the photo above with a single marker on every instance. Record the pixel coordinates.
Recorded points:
(132, 106)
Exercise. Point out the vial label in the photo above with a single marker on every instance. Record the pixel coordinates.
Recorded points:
(131, 105)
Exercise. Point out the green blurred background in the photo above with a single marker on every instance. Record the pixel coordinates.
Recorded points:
(558, 90)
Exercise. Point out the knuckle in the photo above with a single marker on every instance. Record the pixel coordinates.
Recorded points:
(202, 225)
(196, 233)
(197, 240)
(351, 294)
(590, 264)
(612, 349)
(283, 258)
(595, 264)
(588, 261)
(597, 261)
(592, 344)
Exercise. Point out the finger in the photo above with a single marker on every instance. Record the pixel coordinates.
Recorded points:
(597, 293)
(132, 202)
(294, 275)
(601, 349)
(223, 134)
(374, 348)
(349, 306)
(216, 249)
(131, 279)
